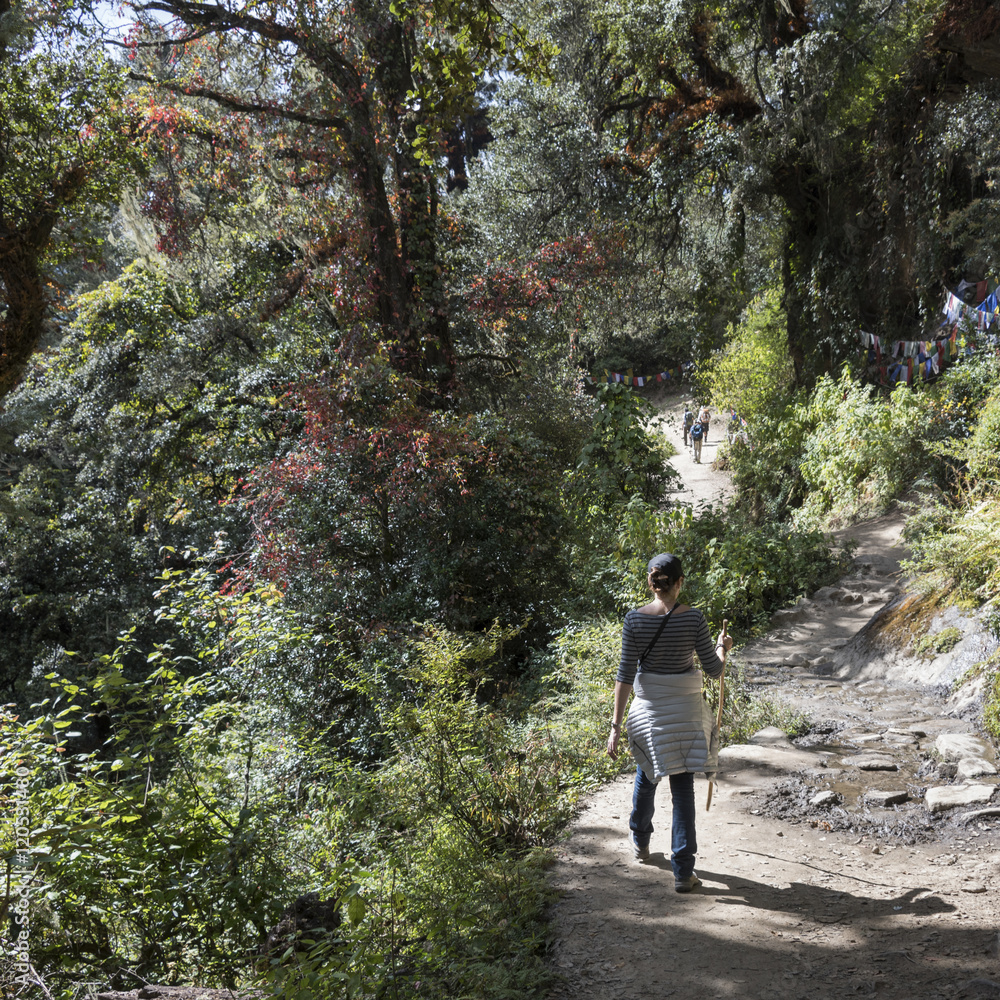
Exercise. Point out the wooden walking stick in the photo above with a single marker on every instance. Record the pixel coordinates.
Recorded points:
(718, 715)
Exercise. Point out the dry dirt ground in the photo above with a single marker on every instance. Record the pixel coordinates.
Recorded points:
(885, 901)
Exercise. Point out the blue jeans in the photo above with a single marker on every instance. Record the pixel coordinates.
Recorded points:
(683, 843)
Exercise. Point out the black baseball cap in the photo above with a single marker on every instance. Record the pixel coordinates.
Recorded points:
(666, 563)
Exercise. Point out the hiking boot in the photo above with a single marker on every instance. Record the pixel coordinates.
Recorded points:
(687, 884)
(640, 852)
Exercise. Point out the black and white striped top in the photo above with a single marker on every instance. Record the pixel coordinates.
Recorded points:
(673, 653)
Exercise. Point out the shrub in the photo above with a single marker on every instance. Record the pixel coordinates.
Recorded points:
(753, 373)
(745, 712)
(940, 642)
(956, 544)
(157, 852)
(734, 570)
(982, 450)
(863, 451)
(991, 702)
(621, 456)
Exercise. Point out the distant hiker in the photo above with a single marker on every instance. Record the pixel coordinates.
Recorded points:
(704, 418)
(696, 434)
(688, 421)
(669, 723)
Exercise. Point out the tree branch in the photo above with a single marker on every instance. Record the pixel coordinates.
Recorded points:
(234, 104)
(215, 18)
(511, 363)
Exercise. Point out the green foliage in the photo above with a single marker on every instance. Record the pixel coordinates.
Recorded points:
(753, 373)
(991, 701)
(863, 451)
(845, 451)
(57, 117)
(732, 570)
(119, 448)
(212, 798)
(459, 45)
(959, 395)
(767, 474)
(380, 510)
(940, 642)
(621, 454)
(982, 450)
(69, 142)
(956, 544)
(137, 842)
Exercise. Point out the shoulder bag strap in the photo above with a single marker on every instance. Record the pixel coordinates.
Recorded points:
(652, 641)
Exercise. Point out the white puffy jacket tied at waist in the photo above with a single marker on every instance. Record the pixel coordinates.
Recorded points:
(670, 726)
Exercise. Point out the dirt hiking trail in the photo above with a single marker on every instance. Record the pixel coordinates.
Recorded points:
(828, 869)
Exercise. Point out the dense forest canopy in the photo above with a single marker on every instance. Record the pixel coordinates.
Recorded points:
(311, 521)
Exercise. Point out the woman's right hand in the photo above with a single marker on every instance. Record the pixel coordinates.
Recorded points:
(613, 742)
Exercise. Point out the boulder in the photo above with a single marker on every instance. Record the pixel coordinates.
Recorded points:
(955, 746)
(942, 797)
(822, 773)
(884, 798)
(900, 739)
(790, 616)
(850, 597)
(871, 762)
(824, 799)
(829, 594)
(974, 767)
(771, 736)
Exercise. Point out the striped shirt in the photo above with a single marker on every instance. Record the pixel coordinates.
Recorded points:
(673, 653)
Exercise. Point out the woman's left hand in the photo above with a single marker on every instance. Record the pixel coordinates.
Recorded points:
(725, 642)
(613, 742)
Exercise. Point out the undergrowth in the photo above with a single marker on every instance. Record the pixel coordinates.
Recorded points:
(991, 702)
(940, 642)
(956, 543)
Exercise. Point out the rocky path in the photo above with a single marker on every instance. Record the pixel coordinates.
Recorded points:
(701, 484)
(829, 868)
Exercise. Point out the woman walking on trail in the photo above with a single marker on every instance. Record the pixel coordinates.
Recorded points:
(669, 724)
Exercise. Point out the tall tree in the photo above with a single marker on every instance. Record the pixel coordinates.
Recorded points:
(359, 102)
(813, 115)
(68, 140)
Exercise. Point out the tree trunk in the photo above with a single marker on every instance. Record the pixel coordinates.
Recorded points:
(23, 296)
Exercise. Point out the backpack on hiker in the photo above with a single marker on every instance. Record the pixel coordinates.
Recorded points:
(695, 432)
